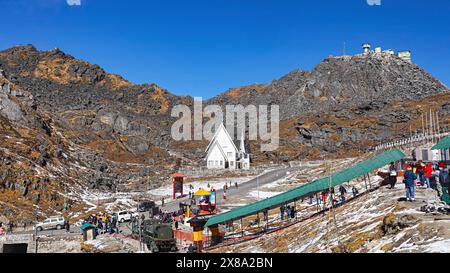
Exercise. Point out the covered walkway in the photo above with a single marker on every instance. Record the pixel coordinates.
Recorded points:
(309, 189)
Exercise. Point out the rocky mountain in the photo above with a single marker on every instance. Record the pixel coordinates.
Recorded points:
(339, 83)
(346, 104)
(67, 122)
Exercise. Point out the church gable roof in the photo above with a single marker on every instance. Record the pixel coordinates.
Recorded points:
(214, 139)
(216, 144)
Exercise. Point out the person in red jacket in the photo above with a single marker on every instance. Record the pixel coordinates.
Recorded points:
(428, 173)
(420, 172)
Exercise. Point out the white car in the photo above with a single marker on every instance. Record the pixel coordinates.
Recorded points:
(126, 216)
(54, 222)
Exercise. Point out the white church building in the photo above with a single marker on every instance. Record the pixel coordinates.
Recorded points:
(222, 152)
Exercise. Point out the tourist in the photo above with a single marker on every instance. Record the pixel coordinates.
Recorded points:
(288, 212)
(392, 175)
(192, 249)
(420, 172)
(444, 177)
(318, 198)
(100, 226)
(324, 197)
(438, 183)
(428, 172)
(282, 213)
(409, 183)
(343, 191)
(355, 191)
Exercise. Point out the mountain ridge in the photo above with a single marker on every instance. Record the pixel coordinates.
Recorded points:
(65, 122)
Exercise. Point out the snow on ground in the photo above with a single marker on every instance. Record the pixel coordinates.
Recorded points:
(439, 246)
(376, 222)
(262, 194)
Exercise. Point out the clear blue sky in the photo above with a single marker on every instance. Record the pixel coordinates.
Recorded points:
(204, 47)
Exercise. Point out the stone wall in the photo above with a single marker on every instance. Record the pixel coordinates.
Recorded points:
(18, 239)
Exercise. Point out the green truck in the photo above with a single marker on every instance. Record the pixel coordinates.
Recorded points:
(158, 237)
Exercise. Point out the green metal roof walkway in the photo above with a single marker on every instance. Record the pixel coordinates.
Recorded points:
(443, 144)
(310, 188)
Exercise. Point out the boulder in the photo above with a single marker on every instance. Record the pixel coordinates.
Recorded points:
(36, 197)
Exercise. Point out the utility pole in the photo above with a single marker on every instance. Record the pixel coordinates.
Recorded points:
(140, 234)
(36, 239)
(437, 120)
(432, 125)
(257, 185)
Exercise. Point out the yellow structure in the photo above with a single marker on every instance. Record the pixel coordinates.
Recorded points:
(202, 192)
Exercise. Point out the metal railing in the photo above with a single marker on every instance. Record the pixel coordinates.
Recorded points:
(424, 138)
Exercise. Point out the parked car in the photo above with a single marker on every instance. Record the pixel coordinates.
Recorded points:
(146, 206)
(54, 222)
(125, 216)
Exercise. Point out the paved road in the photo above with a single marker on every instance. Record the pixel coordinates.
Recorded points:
(243, 188)
(74, 231)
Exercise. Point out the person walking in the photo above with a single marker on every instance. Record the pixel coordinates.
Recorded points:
(444, 178)
(392, 175)
(420, 172)
(438, 182)
(343, 191)
(293, 212)
(288, 212)
(409, 183)
(67, 226)
(324, 197)
(10, 227)
(282, 213)
(428, 172)
(162, 201)
(355, 191)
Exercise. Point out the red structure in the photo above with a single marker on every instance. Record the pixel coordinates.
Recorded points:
(177, 184)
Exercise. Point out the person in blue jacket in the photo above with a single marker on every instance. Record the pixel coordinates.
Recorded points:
(410, 177)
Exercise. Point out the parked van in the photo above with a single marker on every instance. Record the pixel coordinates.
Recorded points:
(54, 222)
(146, 206)
(125, 216)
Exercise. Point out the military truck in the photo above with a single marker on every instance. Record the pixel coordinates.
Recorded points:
(157, 236)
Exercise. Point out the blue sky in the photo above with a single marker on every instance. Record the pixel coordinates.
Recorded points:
(204, 47)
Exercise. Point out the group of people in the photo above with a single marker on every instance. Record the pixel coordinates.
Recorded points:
(103, 223)
(420, 175)
(327, 196)
(287, 212)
